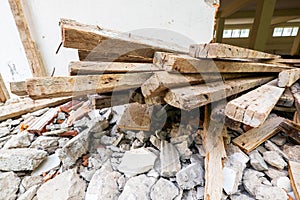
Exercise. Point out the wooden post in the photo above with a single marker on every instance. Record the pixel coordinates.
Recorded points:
(261, 26)
(219, 29)
(4, 95)
(296, 45)
(33, 55)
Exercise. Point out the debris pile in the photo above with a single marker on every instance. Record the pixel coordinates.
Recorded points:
(144, 119)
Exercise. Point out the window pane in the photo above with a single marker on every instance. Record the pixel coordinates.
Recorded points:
(295, 31)
(277, 32)
(287, 31)
(236, 33)
(227, 33)
(244, 33)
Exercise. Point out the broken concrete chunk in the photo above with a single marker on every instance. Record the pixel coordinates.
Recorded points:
(257, 161)
(273, 147)
(143, 136)
(9, 184)
(169, 158)
(191, 176)
(137, 161)
(46, 143)
(22, 159)
(283, 183)
(20, 140)
(104, 184)
(274, 173)
(29, 194)
(241, 197)
(137, 187)
(49, 163)
(29, 181)
(268, 192)
(251, 180)
(67, 185)
(274, 159)
(183, 150)
(164, 189)
(292, 152)
(4, 131)
(279, 140)
(230, 180)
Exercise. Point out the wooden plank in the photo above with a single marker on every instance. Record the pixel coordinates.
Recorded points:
(294, 174)
(93, 38)
(256, 136)
(18, 88)
(81, 85)
(187, 64)
(32, 53)
(295, 51)
(191, 97)
(28, 105)
(136, 117)
(291, 129)
(254, 107)
(287, 78)
(218, 50)
(136, 56)
(286, 99)
(4, 95)
(93, 68)
(212, 135)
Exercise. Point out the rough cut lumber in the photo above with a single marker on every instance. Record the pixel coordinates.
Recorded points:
(218, 50)
(291, 129)
(254, 107)
(93, 68)
(294, 174)
(187, 64)
(136, 117)
(256, 136)
(18, 88)
(81, 85)
(89, 37)
(29, 105)
(32, 53)
(191, 97)
(4, 95)
(212, 136)
(286, 99)
(288, 77)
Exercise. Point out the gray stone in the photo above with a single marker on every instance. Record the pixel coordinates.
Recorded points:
(137, 188)
(9, 184)
(261, 149)
(51, 162)
(279, 140)
(274, 173)
(267, 193)
(184, 151)
(136, 144)
(283, 183)
(251, 180)
(273, 147)
(21, 159)
(155, 141)
(39, 112)
(15, 122)
(121, 182)
(62, 142)
(153, 173)
(4, 131)
(274, 159)
(230, 180)
(18, 141)
(169, 160)
(46, 143)
(292, 152)
(103, 185)
(236, 153)
(257, 161)
(240, 196)
(67, 185)
(29, 181)
(191, 176)
(197, 158)
(106, 140)
(143, 136)
(86, 174)
(164, 189)
(29, 194)
(200, 192)
(182, 138)
(137, 161)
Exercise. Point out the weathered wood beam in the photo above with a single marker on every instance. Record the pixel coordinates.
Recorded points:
(260, 29)
(256, 136)
(93, 38)
(92, 68)
(286, 99)
(296, 45)
(32, 53)
(220, 23)
(254, 107)
(29, 105)
(291, 129)
(45, 87)
(277, 13)
(282, 19)
(4, 95)
(294, 174)
(191, 97)
(218, 50)
(233, 6)
(187, 64)
(287, 78)
(18, 88)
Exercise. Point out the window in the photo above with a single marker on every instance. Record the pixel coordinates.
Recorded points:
(285, 31)
(236, 33)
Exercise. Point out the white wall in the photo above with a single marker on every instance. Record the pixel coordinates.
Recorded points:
(183, 22)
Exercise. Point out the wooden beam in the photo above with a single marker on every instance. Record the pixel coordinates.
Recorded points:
(213, 143)
(287, 78)
(277, 13)
(256, 136)
(220, 23)
(254, 107)
(29, 105)
(45, 87)
(282, 19)
(286, 99)
(291, 129)
(18, 88)
(260, 29)
(93, 38)
(32, 53)
(92, 68)
(218, 50)
(294, 174)
(191, 97)
(187, 64)
(233, 6)
(4, 95)
(296, 45)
